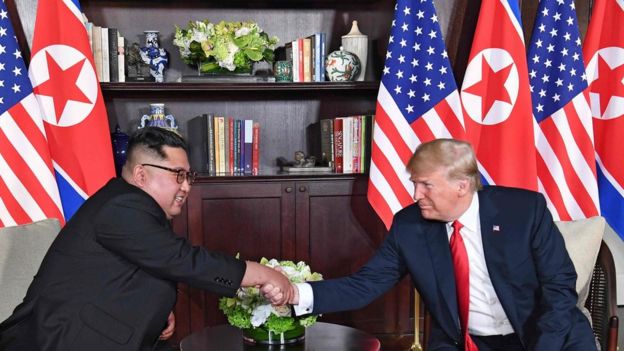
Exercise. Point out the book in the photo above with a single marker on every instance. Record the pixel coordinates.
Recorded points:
(295, 60)
(248, 125)
(221, 142)
(230, 145)
(323, 55)
(307, 59)
(299, 63)
(318, 57)
(327, 142)
(255, 149)
(308, 169)
(96, 40)
(338, 139)
(105, 55)
(212, 158)
(121, 59)
(113, 53)
(347, 144)
(198, 143)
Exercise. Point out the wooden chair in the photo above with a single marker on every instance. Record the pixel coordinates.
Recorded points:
(601, 301)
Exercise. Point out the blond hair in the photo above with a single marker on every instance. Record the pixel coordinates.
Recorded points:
(455, 156)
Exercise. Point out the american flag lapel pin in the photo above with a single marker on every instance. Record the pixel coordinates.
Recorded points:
(496, 228)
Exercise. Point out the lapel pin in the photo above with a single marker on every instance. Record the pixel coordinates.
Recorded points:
(496, 228)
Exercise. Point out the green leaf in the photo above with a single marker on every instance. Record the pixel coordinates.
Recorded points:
(253, 54)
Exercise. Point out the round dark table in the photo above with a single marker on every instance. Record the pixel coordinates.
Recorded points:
(319, 337)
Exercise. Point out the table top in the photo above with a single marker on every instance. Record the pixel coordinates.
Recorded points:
(320, 336)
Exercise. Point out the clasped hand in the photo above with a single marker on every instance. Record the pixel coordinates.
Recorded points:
(280, 295)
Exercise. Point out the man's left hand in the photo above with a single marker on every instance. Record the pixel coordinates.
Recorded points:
(168, 331)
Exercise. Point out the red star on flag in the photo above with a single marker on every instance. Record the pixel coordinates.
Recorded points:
(608, 83)
(61, 85)
(489, 79)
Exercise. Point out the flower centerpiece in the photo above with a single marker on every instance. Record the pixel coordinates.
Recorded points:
(224, 47)
(262, 322)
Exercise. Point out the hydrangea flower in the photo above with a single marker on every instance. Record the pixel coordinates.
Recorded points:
(232, 46)
(249, 308)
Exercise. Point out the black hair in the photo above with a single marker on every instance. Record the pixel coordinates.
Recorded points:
(153, 139)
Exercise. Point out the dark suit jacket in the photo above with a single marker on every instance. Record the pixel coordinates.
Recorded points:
(108, 282)
(528, 264)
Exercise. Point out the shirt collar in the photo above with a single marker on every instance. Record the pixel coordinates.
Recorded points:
(470, 218)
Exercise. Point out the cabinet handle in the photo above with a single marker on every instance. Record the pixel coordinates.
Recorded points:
(288, 189)
(302, 189)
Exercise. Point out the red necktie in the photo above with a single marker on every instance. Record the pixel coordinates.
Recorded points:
(462, 282)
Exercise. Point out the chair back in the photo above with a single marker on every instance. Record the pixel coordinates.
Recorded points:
(22, 249)
(602, 300)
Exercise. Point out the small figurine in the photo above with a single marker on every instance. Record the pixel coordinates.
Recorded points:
(155, 56)
(137, 69)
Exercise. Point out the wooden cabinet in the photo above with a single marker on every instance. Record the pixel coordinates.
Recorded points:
(325, 221)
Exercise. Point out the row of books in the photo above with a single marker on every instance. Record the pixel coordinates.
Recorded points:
(343, 143)
(107, 46)
(308, 58)
(222, 146)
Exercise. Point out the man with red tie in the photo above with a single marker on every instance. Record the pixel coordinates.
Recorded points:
(489, 263)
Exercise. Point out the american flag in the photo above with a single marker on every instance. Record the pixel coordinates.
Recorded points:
(28, 190)
(417, 102)
(566, 166)
(604, 55)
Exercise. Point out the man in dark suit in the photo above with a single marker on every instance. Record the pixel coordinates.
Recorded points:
(509, 285)
(108, 282)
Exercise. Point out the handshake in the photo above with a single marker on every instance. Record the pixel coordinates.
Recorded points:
(274, 285)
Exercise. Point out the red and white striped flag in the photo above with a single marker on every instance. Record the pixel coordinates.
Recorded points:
(496, 98)
(417, 102)
(563, 133)
(28, 190)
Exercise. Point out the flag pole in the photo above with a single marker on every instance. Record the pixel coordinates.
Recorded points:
(416, 345)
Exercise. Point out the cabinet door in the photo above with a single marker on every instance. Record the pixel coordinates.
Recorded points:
(253, 219)
(337, 232)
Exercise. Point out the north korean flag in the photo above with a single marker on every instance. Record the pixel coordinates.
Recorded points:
(603, 52)
(66, 86)
(496, 98)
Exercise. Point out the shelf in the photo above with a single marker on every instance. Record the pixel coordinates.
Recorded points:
(205, 178)
(263, 86)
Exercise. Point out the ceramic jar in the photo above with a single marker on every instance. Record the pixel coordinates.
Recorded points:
(342, 66)
(357, 43)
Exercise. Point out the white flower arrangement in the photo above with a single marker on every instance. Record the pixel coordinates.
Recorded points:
(231, 46)
(249, 310)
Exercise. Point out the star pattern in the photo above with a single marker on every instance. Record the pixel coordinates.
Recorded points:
(555, 61)
(14, 82)
(417, 72)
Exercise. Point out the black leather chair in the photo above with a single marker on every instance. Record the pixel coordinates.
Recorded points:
(601, 302)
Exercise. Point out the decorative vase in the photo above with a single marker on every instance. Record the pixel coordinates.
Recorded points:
(342, 66)
(357, 43)
(157, 118)
(283, 71)
(155, 56)
(119, 140)
(262, 336)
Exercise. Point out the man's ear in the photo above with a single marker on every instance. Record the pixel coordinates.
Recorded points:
(139, 175)
(463, 187)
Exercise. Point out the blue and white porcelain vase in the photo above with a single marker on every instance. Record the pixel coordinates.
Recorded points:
(157, 118)
(342, 66)
(155, 56)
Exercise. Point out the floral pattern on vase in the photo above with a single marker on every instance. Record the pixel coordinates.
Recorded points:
(342, 66)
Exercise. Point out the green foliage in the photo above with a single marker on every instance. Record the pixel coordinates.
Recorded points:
(230, 45)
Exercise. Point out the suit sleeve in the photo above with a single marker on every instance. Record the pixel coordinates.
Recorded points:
(376, 277)
(134, 229)
(557, 278)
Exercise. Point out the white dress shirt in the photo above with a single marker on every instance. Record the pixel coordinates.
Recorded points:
(486, 315)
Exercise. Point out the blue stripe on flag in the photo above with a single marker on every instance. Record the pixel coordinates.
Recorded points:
(77, 3)
(515, 8)
(70, 199)
(611, 203)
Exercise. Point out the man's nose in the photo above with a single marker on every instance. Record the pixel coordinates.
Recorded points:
(418, 194)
